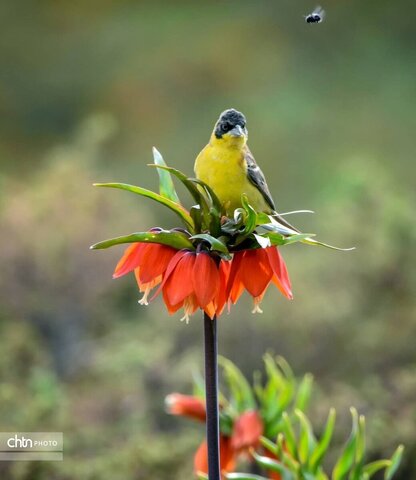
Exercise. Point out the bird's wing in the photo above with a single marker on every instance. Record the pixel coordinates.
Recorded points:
(256, 177)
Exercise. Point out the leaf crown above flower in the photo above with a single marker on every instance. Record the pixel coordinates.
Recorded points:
(204, 225)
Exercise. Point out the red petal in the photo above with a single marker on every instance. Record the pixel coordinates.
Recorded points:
(247, 431)
(186, 405)
(221, 300)
(256, 271)
(171, 267)
(205, 278)
(281, 275)
(210, 310)
(179, 284)
(235, 267)
(171, 308)
(227, 455)
(130, 259)
(237, 289)
(155, 261)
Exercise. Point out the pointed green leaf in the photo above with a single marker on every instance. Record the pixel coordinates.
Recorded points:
(311, 241)
(395, 463)
(304, 393)
(166, 187)
(279, 239)
(263, 241)
(307, 441)
(175, 240)
(192, 188)
(356, 473)
(347, 458)
(289, 434)
(197, 214)
(214, 199)
(273, 465)
(269, 445)
(251, 216)
(242, 395)
(373, 467)
(215, 243)
(176, 207)
(323, 444)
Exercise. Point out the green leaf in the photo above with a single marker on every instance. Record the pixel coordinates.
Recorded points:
(346, 461)
(191, 187)
(323, 444)
(176, 207)
(395, 463)
(356, 473)
(242, 395)
(289, 434)
(263, 241)
(304, 392)
(373, 467)
(166, 187)
(307, 441)
(279, 239)
(268, 445)
(311, 241)
(205, 197)
(251, 216)
(215, 243)
(273, 465)
(175, 240)
(196, 214)
(214, 199)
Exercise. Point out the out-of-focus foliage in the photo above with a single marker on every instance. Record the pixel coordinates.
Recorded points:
(280, 403)
(86, 90)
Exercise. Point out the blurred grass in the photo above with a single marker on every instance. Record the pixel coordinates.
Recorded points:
(86, 89)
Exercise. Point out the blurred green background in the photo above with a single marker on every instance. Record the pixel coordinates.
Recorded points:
(86, 89)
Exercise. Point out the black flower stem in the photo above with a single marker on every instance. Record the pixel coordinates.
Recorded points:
(211, 392)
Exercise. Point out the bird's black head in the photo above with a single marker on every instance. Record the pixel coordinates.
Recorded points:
(231, 121)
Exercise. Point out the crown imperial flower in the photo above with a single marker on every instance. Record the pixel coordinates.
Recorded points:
(208, 264)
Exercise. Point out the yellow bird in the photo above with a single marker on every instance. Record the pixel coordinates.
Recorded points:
(228, 167)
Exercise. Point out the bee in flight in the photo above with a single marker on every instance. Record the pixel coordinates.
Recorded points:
(316, 16)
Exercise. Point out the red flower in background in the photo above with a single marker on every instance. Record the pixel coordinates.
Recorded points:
(186, 406)
(192, 280)
(246, 433)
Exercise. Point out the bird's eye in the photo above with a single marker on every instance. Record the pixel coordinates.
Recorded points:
(225, 127)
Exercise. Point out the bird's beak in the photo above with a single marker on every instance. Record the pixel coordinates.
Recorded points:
(237, 131)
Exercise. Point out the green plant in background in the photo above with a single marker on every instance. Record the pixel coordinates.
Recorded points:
(267, 423)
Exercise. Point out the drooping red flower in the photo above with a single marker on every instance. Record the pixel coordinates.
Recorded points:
(149, 261)
(247, 431)
(192, 280)
(227, 456)
(186, 406)
(254, 270)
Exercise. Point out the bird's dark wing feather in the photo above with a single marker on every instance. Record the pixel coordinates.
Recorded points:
(256, 177)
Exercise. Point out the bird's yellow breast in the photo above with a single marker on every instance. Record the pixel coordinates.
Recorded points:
(223, 167)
